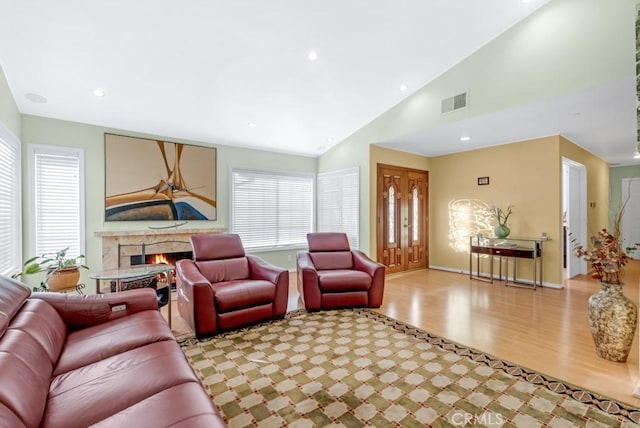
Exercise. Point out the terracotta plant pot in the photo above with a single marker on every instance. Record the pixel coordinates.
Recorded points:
(64, 279)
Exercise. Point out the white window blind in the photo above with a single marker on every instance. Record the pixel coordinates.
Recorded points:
(339, 203)
(10, 207)
(57, 199)
(271, 209)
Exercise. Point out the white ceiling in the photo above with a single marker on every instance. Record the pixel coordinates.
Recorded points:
(600, 119)
(203, 70)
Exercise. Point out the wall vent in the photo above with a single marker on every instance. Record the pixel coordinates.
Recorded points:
(453, 103)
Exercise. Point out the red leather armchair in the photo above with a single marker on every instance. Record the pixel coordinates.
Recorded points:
(331, 275)
(222, 288)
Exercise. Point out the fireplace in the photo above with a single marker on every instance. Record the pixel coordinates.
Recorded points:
(118, 247)
(166, 258)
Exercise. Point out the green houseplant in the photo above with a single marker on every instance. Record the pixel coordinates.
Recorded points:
(61, 272)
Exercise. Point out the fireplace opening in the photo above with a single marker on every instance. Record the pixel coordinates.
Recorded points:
(153, 281)
(168, 258)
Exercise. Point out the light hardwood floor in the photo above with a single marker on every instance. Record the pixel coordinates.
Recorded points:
(546, 330)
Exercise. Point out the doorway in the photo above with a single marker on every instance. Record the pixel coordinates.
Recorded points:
(574, 214)
(631, 216)
(402, 207)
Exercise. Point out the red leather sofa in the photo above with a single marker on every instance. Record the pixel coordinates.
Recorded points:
(101, 360)
(222, 288)
(331, 275)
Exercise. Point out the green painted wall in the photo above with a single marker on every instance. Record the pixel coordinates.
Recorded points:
(616, 174)
(40, 130)
(9, 114)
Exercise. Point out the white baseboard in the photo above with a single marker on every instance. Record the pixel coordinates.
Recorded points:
(495, 276)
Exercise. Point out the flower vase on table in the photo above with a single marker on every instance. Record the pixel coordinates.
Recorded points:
(502, 231)
(501, 216)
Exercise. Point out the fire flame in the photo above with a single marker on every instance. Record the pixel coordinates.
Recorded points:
(160, 258)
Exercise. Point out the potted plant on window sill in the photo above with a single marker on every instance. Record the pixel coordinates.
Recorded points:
(62, 272)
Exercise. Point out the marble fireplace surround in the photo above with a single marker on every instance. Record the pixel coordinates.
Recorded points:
(119, 245)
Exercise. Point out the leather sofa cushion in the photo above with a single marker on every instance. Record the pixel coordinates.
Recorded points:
(12, 297)
(224, 270)
(332, 260)
(8, 418)
(28, 351)
(101, 341)
(232, 295)
(180, 405)
(94, 392)
(339, 281)
(44, 325)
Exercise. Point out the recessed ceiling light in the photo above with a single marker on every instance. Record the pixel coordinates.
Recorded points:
(36, 98)
(98, 93)
(330, 140)
(251, 125)
(313, 55)
(465, 138)
(403, 87)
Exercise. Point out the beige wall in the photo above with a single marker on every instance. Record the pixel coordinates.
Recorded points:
(525, 174)
(9, 114)
(40, 130)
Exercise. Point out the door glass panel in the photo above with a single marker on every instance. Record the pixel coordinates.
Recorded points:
(391, 216)
(415, 227)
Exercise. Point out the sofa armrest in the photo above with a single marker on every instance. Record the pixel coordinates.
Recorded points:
(363, 263)
(376, 270)
(308, 285)
(81, 311)
(195, 298)
(260, 269)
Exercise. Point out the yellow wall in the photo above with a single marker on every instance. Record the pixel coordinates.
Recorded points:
(526, 175)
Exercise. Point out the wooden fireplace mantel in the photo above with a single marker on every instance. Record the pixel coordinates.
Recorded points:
(119, 245)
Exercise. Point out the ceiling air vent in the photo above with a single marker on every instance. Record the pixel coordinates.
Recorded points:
(454, 103)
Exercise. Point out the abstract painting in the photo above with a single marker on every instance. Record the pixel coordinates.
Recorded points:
(158, 180)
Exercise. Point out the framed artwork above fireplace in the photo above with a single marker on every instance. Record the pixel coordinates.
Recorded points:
(158, 180)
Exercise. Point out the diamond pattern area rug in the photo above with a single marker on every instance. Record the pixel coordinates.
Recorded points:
(354, 368)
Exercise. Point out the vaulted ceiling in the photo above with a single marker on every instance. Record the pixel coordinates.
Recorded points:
(240, 72)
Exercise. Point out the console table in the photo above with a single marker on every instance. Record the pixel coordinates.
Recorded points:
(520, 247)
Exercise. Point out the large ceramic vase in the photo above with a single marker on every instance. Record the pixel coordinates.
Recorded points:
(613, 319)
(502, 231)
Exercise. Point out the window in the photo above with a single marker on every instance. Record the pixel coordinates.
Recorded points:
(271, 209)
(10, 205)
(57, 180)
(339, 203)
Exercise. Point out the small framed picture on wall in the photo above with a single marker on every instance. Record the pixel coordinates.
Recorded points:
(483, 181)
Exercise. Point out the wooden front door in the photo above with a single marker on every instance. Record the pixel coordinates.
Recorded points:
(402, 201)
